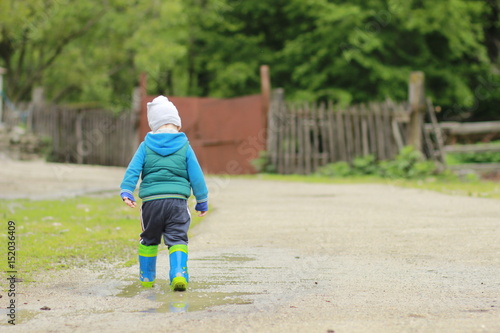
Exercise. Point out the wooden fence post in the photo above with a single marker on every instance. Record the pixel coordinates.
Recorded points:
(37, 104)
(2, 72)
(416, 93)
(265, 86)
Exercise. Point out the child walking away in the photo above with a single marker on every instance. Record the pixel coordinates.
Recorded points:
(169, 171)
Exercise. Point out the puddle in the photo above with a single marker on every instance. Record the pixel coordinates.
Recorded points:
(225, 257)
(198, 297)
(22, 316)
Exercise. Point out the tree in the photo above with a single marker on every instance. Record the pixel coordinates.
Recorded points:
(348, 51)
(90, 50)
(34, 34)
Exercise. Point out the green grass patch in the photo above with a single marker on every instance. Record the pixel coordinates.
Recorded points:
(83, 231)
(446, 184)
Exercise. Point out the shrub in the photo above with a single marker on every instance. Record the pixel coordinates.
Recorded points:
(262, 164)
(409, 163)
(366, 165)
(481, 157)
(338, 169)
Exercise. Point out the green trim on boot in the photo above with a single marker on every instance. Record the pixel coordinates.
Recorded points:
(178, 247)
(147, 284)
(179, 276)
(147, 264)
(148, 251)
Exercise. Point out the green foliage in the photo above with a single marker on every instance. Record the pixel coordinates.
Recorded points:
(480, 157)
(408, 164)
(347, 51)
(366, 165)
(262, 164)
(446, 183)
(338, 169)
(361, 166)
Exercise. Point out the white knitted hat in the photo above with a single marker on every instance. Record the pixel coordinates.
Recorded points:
(161, 112)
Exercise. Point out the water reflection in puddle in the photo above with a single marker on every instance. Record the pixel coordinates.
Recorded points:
(198, 297)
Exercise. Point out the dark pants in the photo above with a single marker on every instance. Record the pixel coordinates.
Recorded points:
(169, 218)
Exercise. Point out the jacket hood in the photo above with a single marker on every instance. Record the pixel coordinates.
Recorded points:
(165, 143)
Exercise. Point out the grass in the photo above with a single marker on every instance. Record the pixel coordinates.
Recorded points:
(83, 231)
(448, 185)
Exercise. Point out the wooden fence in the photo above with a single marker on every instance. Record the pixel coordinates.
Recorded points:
(460, 137)
(303, 137)
(86, 136)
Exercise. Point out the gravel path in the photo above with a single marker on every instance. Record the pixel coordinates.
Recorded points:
(291, 257)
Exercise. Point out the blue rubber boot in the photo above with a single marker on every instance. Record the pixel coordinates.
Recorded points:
(179, 276)
(147, 264)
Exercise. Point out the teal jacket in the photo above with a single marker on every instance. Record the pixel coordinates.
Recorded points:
(168, 168)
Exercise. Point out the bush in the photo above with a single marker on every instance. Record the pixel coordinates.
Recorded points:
(262, 164)
(339, 169)
(409, 164)
(366, 165)
(482, 157)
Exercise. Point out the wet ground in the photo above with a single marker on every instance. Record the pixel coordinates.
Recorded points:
(296, 257)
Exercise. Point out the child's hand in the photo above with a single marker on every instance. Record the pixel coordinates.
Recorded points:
(202, 213)
(129, 202)
(128, 199)
(202, 208)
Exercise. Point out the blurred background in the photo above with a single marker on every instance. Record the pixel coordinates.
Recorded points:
(349, 51)
(90, 54)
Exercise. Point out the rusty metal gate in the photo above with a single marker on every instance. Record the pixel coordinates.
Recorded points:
(226, 134)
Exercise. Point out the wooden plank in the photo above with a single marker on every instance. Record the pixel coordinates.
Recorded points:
(372, 130)
(300, 140)
(390, 145)
(288, 168)
(323, 130)
(364, 134)
(455, 128)
(379, 131)
(476, 166)
(281, 133)
(356, 132)
(348, 135)
(330, 118)
(339, 122)
(477, 148)
(438, 135)
(315, 137)
(397, 134)
(293, 138)
(67, 144)
(307, 139)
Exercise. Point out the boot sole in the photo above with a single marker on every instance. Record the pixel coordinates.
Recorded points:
(179, 284)
(147, 284)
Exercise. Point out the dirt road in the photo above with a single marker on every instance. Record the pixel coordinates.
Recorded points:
(291, 257)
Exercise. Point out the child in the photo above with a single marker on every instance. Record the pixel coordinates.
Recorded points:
(169, 170)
